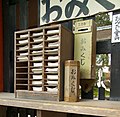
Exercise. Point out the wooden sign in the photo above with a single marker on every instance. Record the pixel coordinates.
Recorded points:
(59, 10)
(72, 79)
(116, 29)
(85, 44)
(85, 52)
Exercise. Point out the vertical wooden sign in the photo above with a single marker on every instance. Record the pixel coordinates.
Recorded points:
(85, 51)
(72, 79)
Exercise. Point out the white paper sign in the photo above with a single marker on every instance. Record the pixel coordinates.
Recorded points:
(59, 10)
(116, 29)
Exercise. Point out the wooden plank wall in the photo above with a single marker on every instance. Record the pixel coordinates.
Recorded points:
(17, 15)
(27, 14)
(50, 114)
(33, 13)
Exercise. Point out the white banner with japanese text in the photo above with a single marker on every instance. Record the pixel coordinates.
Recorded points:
(59, 10)
(116, 29)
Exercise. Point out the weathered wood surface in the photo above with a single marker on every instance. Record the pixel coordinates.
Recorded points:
(37, 95)
(72, 81)
(87, 107)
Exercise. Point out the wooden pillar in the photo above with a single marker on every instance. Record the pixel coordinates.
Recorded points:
(1, 48)
(115, 59)
(41, 113)
(6, 44)
(9, 27)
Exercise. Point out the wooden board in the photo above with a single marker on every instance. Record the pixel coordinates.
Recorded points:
(85, 107)
(50, 114)
(36, 95)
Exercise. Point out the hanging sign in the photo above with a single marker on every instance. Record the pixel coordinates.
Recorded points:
(59, 10)
(116, 28)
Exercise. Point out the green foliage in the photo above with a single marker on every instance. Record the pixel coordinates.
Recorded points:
(95, 91)
(103, 19)
(102, 59)
(107, 93)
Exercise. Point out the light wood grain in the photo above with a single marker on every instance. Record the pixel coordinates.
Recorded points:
(86, 107)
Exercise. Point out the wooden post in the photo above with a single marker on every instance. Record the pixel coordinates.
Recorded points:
(41, 113)
(8, 35)
(115, 58)
(1, 48)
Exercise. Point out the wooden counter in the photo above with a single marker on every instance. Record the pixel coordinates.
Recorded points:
(85, 107)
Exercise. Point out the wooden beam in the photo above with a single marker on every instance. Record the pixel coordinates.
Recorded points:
(50, 114)
(9, 21)
(84, 107)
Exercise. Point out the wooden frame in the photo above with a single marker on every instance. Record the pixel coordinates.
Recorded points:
(39, 55)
